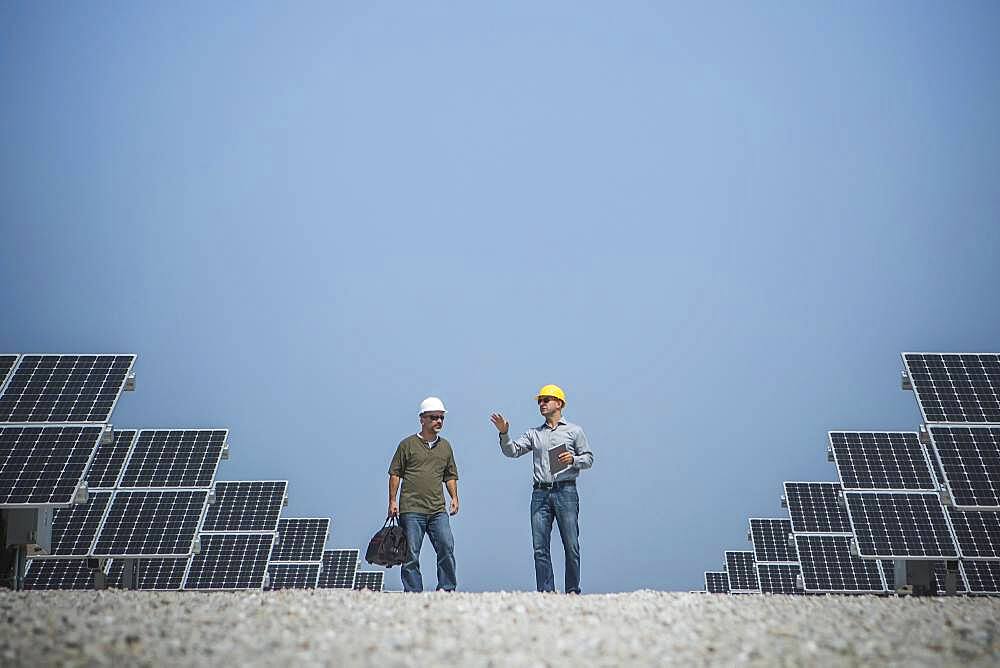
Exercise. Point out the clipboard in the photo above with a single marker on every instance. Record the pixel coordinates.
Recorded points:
(555, 466)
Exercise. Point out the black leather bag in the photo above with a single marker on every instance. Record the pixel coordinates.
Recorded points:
(388, 547)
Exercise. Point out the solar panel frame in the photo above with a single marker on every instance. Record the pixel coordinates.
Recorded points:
(32, 448)
(58, 574)
(884, 540)
(717, 582)
(769, 536)
(981, 577)
(814, 507)
(152, 574)
(231, 512)
(127, 503)
(371, 580)
(742, 572)
(299, 539)
(779, 578)
(109, 460)
(290, 575)
(168, 458)
(7, 363)
(211, 569)
(880, 460)
(969, 459)
(27, 398)
(826, 559)
(339, 568)
(977, 533)
(947, 393)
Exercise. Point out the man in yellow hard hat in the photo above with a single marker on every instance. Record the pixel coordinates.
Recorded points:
(560, 451)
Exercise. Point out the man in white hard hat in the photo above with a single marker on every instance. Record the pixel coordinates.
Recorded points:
(422, 462)
(560, 451)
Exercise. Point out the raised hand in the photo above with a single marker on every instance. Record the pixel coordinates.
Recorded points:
(500, 422)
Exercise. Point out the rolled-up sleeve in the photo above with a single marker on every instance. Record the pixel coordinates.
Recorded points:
(584, 457)
(517, 447)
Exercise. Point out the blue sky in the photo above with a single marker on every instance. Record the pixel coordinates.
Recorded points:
(715, 225)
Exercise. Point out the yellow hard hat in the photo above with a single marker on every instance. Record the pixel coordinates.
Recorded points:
(552, 391)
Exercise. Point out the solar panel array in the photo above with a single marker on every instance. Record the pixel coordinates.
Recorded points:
(903, 498)
(140, 502)
(716, 582)
(742, 572)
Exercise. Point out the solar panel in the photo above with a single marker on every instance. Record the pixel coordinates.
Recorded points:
(970, 458)
(961, 388)
(152, 574)
(339, 568)
(174, 458)
(742, 572)
(815, 507)
(42, 466)
(369, 580)
(829, 567)
(230, 561)
(978, 533)
(778, 578)
(58, 574)
(253, 505)
(293, 576)
(74, 528)
(301, 539)
(982, 577)
(151, 523)
(7, 363)
(770, 540)
(109, 460)
(716, 582)
(880, 460)
(64, 388)
(891, 525)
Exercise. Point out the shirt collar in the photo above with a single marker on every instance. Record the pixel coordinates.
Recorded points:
(562, 421)
(430, 444)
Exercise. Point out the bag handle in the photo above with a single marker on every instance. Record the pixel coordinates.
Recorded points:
(389, 521)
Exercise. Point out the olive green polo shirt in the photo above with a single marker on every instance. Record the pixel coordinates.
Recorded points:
(423, 470)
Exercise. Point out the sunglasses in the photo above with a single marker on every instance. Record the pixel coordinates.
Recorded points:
(434, 418)
(542, 400)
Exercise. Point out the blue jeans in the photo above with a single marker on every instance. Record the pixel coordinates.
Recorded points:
(416, 525)
(563, 504)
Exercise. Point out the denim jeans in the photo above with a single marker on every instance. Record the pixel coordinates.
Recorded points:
(563, 504)
(437, 526)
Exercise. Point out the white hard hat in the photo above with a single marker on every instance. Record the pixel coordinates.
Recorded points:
(431, 404)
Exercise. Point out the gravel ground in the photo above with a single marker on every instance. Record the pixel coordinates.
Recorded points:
(347, 628)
